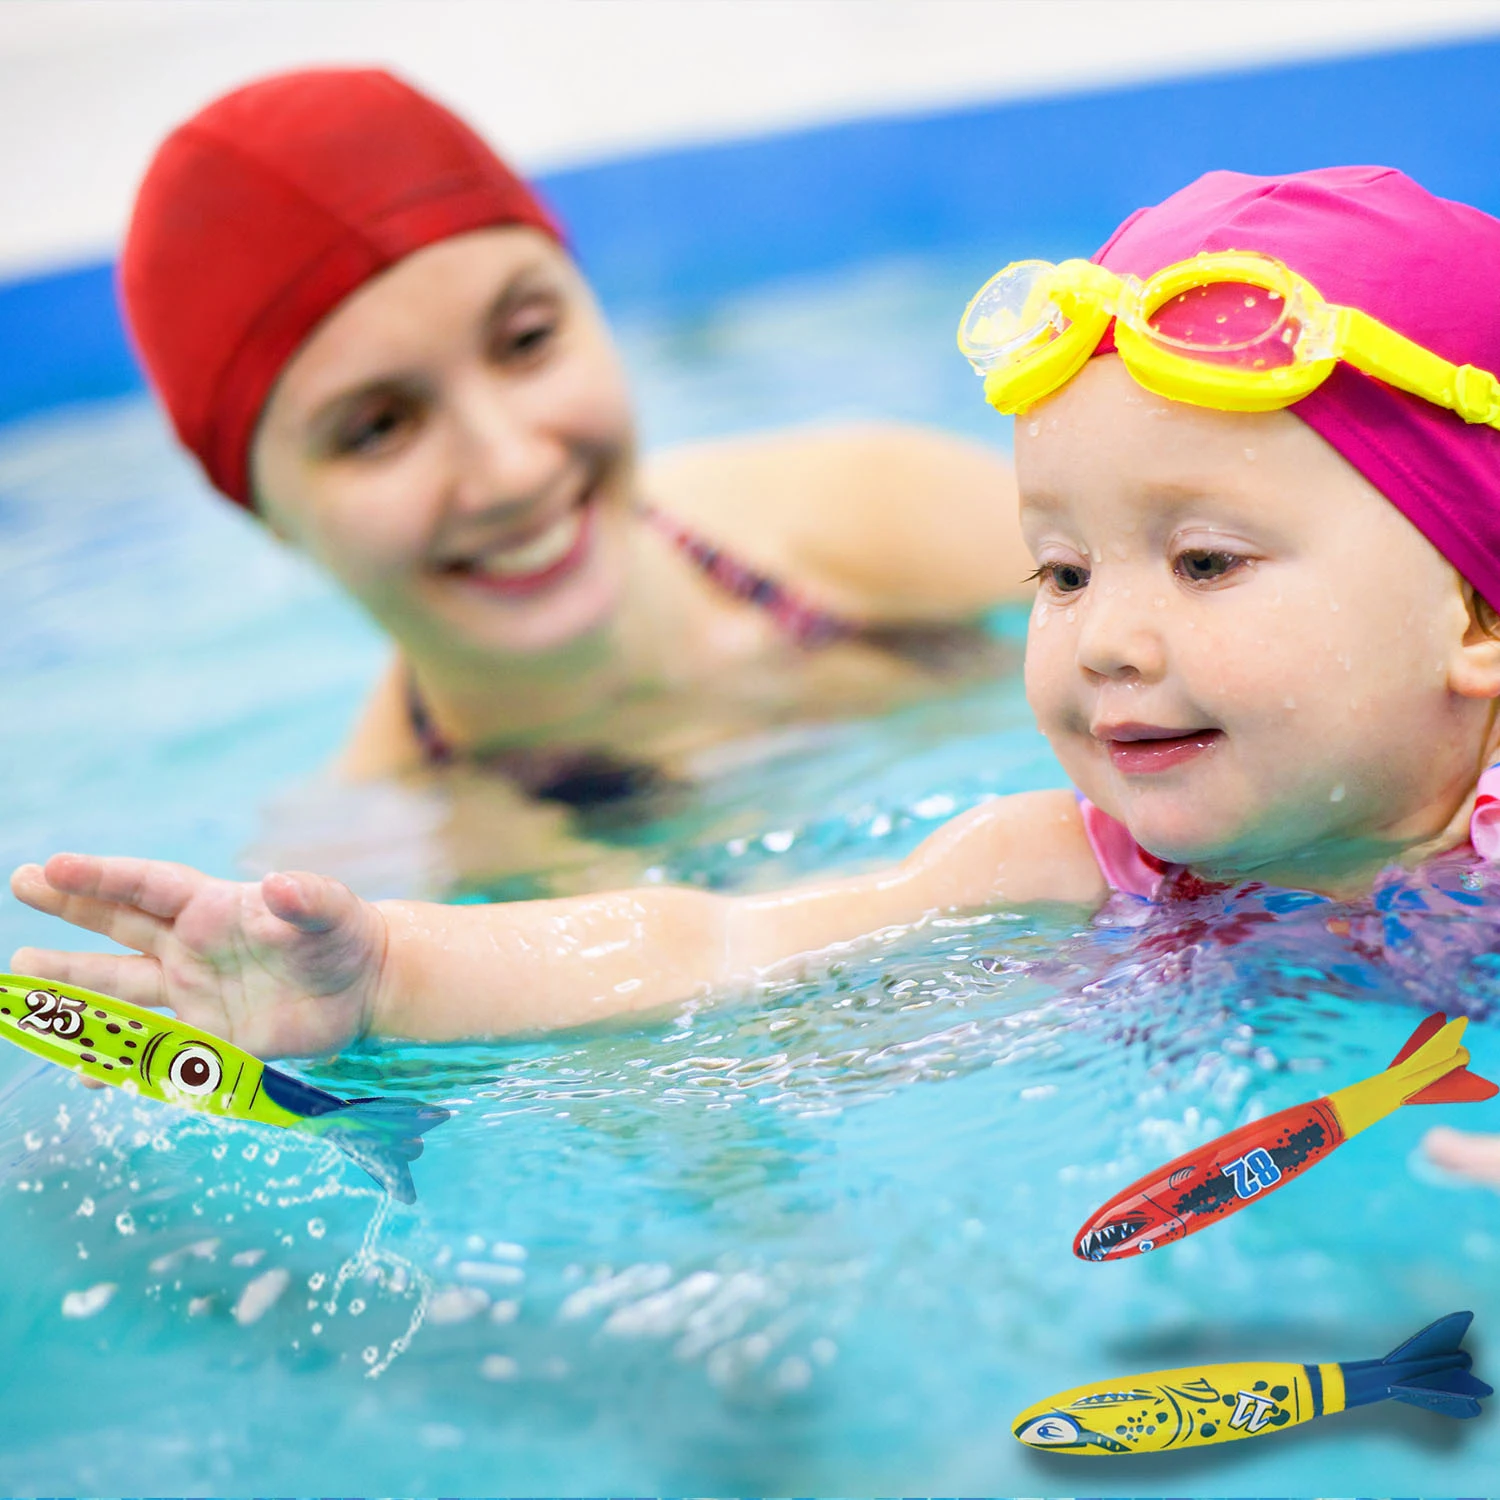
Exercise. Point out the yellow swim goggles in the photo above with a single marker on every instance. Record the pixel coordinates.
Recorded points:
(1229, 329)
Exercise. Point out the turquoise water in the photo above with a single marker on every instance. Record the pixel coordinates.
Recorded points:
(811, 1240)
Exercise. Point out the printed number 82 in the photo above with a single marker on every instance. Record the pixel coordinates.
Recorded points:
(1253, 1172)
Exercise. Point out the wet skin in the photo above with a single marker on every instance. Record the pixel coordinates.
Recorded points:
(1239, 647)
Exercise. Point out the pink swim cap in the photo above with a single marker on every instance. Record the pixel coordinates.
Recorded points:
(1371, 238)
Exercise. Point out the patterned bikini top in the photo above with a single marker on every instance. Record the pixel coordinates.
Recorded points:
(805, 624)
(586, 778)
(1129, 868)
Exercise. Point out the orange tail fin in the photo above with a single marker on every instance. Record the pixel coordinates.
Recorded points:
(1459, 1087)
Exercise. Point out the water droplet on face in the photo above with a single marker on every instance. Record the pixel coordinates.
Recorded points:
(1249, 455)
(1337, 794)
(1033, 428)
(1289, 701)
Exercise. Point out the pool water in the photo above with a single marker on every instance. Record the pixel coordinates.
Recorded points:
(814, 1239)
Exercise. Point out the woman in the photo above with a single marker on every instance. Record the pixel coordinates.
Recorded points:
(370, 333)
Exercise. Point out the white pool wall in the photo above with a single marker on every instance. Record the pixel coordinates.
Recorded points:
(88, 87)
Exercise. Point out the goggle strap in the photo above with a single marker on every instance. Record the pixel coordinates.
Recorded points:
(1391, 357)
(1478, 394)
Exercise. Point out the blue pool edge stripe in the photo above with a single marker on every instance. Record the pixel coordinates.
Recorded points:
(680, 228)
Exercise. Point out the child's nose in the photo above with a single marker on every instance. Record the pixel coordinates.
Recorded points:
(1120, 634)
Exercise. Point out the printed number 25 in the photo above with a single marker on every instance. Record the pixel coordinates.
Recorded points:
(1253, 1172)
(59, 1014)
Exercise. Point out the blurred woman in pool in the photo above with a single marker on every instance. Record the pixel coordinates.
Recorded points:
(371, 334)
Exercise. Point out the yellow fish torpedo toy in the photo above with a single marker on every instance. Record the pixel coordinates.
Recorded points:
(1193, 1408)
(111, 1041)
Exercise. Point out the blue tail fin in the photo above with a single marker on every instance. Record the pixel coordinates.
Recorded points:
(1455, 1393)
(1446, 1336)
(382, 1136)
(1430, 1369)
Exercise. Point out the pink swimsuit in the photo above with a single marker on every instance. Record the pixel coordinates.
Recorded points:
(1129, 868)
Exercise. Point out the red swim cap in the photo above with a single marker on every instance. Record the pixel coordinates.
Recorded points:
(1371, 238)
(259, 215)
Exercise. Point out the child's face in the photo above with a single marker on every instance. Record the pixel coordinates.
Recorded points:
(1239, 647)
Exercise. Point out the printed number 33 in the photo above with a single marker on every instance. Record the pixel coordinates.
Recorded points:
(59, 1014)
(1253, 1172)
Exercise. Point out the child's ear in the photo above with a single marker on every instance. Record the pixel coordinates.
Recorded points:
(1475, 672)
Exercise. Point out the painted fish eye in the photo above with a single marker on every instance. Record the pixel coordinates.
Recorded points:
(1050, 1431)
(195, 1070)
(1146, 1245)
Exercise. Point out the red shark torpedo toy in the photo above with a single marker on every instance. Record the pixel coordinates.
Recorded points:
(1201, 1187)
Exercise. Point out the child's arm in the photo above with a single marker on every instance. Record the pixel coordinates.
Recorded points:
(1465, 1154)
(298, 964)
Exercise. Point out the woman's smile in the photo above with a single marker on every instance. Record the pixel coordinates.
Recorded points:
(533, 563)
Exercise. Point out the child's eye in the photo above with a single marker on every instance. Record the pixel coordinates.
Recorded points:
(1062, 578)
(1198, 566)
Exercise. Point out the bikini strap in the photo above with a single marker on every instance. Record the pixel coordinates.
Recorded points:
(434, 745)
(806, 624)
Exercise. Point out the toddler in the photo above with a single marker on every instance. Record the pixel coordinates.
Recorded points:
(1262, 645)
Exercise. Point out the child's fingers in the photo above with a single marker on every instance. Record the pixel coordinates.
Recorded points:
(1476, 1156)
(310, 903)
(133, 929)
(137, 980)
(152, 886)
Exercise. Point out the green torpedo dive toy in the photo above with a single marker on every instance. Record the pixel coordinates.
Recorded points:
(111, 1041)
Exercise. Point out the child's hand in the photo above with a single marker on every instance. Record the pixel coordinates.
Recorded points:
(285, 966)
(1474, 1156)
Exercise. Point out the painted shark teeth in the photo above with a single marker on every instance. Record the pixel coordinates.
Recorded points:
(1097, 1242)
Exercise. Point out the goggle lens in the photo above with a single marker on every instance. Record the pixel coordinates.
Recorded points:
(1227, 323)
(1012, 315)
